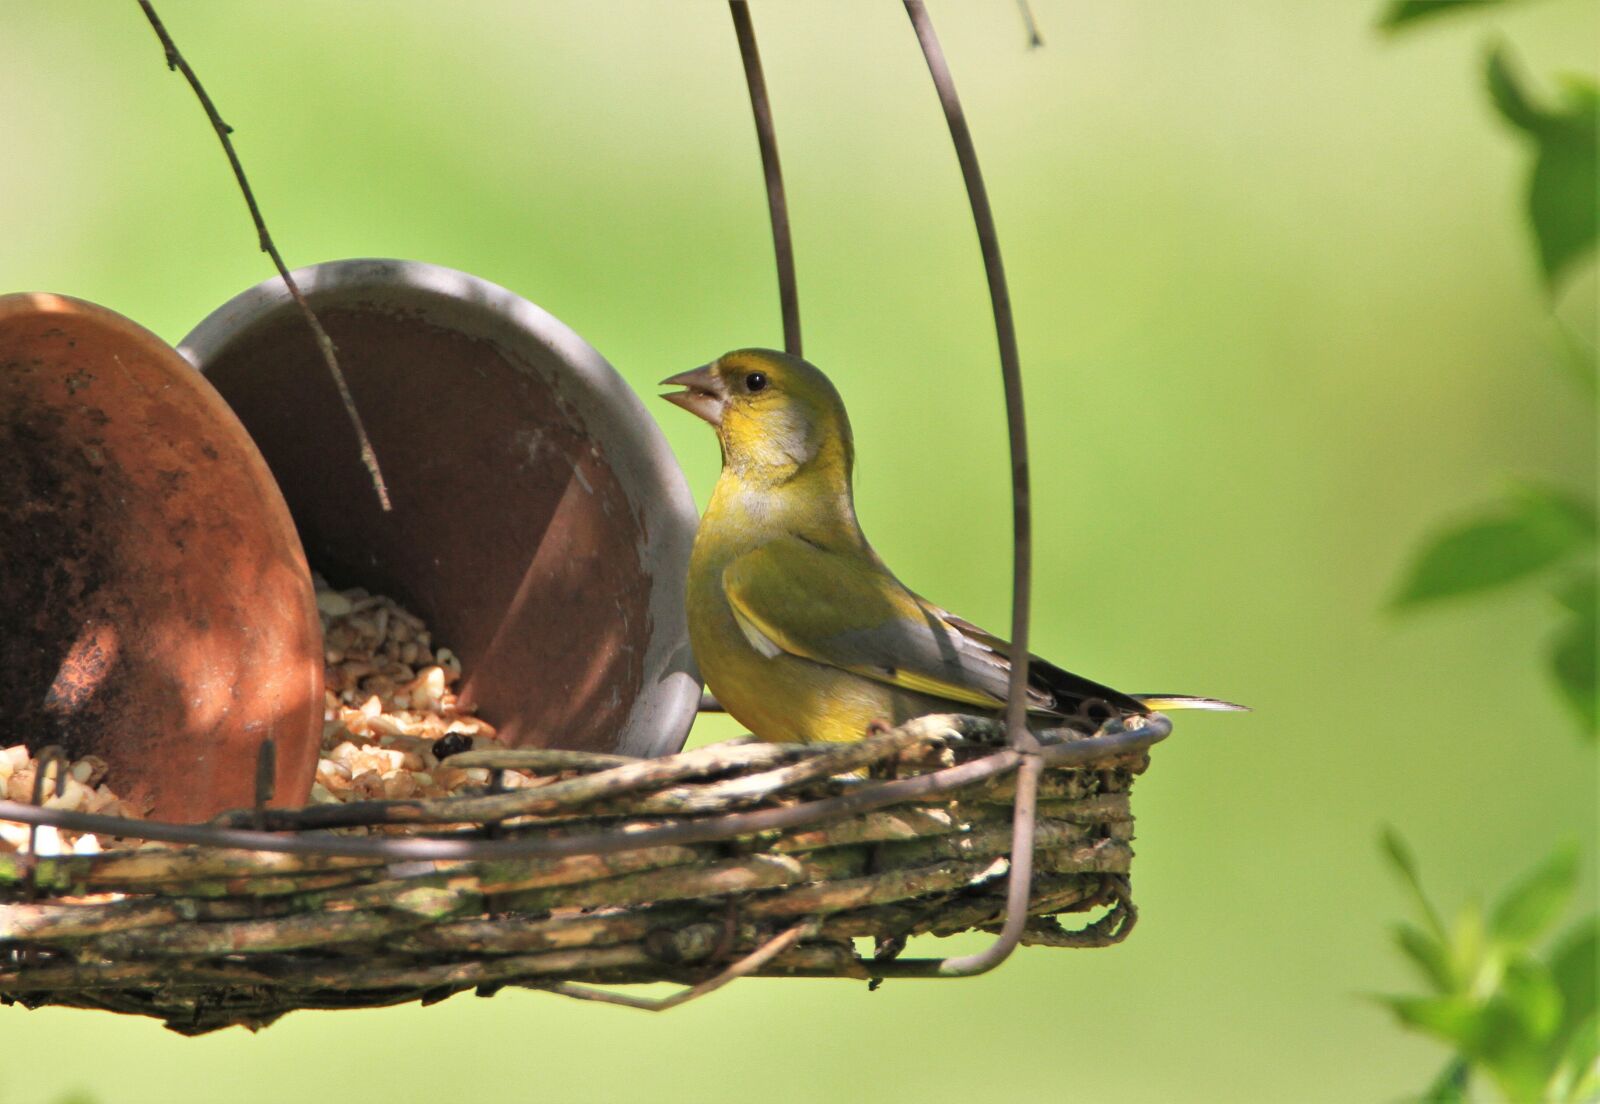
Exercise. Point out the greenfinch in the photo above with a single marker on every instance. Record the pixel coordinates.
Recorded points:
(800, 630)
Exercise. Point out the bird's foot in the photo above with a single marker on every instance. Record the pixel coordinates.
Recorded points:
(886, 948)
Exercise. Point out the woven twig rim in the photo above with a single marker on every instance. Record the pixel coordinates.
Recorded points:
(206, 936)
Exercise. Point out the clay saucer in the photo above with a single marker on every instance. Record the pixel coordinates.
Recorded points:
(157, 609)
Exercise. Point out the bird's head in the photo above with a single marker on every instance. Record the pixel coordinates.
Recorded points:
(774, 413)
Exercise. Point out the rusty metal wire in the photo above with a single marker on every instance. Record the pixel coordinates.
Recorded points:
(1016, 423)
(788, 952)
(777, 203)
(1010, 366)
(1021, 739)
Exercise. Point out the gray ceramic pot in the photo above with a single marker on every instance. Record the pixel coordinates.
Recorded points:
(541, 525)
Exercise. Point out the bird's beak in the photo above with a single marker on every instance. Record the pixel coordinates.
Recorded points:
(703, 394)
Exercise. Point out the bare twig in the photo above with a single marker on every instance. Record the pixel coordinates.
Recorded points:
(777, 204)
(558, 797)
(1035, 40)
(543, 760)
(176, 61)
(718, 797)
(746, 965)
(1118, 740)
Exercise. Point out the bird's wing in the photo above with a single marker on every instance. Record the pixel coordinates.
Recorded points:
(1051, 688)
(849, 612)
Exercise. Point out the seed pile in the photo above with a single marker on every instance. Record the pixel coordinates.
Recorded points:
(391, 711)
(391, 716)
(83, 789)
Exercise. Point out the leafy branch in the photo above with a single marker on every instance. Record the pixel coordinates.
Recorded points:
(1537, 531)
(1562, 185)
(1525, 1019)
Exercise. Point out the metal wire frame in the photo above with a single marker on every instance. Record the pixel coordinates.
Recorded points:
(1022, 741)
(777, 203)
(1025, 754)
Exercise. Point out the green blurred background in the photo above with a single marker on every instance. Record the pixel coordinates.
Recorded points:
(1279, 316)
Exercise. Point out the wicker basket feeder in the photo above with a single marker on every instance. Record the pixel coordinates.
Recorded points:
(727, 861)
(739, 858)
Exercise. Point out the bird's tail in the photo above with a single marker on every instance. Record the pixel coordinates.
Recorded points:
(1161, 702)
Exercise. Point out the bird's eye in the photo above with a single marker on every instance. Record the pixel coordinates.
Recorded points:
(755, 381)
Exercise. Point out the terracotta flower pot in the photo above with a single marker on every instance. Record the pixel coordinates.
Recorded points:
(541, 525)
(155, 606)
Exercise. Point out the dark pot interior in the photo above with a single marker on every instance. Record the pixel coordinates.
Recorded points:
(534, 526)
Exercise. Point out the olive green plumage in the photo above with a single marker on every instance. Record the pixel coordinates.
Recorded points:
(800, 630)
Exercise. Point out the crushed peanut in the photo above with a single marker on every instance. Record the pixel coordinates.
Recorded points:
(82, 790)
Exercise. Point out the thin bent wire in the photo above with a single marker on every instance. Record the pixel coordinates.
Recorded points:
(777, 203)
(1024, 754)
(1022, 741)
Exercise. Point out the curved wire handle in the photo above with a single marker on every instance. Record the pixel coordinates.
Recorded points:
(1024, 754)
(777, 204)
(1022, 741)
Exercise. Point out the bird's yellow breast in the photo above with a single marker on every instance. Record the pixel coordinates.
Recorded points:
(778, 697)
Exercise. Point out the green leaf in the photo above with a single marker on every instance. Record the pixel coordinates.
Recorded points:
(1565, 179)
(1454, 1019)
(1505, 89)
(1473, 957)
(1573, 655)
(1534, 528)
(1517, 1042)
(1580, 593)
(1579, 356)
(1481, 555)
(1531, 995)
(1576, 510)
(1450, 1087)
(1429, 954)
(1402, 14)
(1575, 968)
(1561, 197)
(1529, 908)
(1404, 862)
(1577, 1074)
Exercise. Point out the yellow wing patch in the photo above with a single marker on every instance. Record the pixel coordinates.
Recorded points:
(923, 684)
(849, 612)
